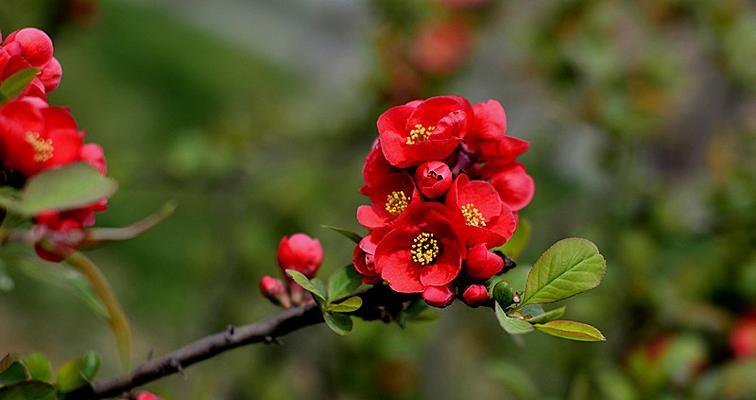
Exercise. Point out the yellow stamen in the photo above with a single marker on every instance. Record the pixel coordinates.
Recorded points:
(420, 134)
(396, 202)
(424, 248)
(473, 216)
(43, 148)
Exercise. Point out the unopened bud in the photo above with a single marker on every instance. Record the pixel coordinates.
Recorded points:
(475, 295)
(275, 291)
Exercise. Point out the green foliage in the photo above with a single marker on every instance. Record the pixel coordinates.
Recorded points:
(32, 390)
(547, 315)
(78, 372)
(513, 326)
(343, 282)
(331, 300)
(16, 83)
(351, 235)
(38, 366)
(571, 330)
(349, 305)
(341, 324)
(12, 371)
(569, 267)
(314, 286)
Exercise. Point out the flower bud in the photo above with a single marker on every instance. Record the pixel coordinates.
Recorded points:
(144, 395)
(93, 155)
(301, 253)
(743, 337)
(433, 178)
(275, 291)
(51, 74)
(33, 44)
(481, 263)
(438, 296)
(475, 295)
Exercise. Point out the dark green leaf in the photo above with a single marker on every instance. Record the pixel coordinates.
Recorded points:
(90, 364)
(515, 246)
(349, 305)
(33, 390)
(16, 83)
(513, 326)
(15, 372)
(571, 330)
(503, 294)
(547, 316)
(311, 286)
(569, 267)
(341, 324)
(353, 236)
(63, 188)
(343, 282)
(38, 366)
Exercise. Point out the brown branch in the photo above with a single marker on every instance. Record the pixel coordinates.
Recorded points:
(379, 303)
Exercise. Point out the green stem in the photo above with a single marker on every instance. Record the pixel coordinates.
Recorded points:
(118, 321)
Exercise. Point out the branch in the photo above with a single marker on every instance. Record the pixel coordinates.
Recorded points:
(210, 346)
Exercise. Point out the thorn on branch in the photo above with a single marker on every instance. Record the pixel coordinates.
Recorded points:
(150, 354)
(176, 364)
(272, 340)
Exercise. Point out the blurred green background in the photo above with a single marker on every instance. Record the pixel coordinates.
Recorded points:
(255, 116)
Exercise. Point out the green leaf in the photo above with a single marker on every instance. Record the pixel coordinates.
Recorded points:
(33, 390)
(512, 326)
(70, 375)
(351, 235)
(90, 363)
(547, 316)
(569, 267)
(571, 330)
(343, 282)
(503, 294)
(14, 372)
(314, 286)
(519, 241)
(341, 324)
(38, 366)
(349, 305)
(64, 188)
(16, 83)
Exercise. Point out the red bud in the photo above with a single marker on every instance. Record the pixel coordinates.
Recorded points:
(438, 296)
(475, 295)
(433, 178)
(481, 263)
(275, 290)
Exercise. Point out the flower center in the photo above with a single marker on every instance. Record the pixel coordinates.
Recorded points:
(396, 202)
(43, 148)
(424, 248)
(420, 134)
(473, 216)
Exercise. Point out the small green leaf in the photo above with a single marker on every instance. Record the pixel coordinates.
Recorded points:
(571, 330)
(351, 235)
(90, 364)
(547, 316)
(569, 267)
(69, 375)
(314, 286)
(512, 326)
(341, 324)
(15, 372)
(519, 241)
(349, 305)
(33, 390)
(16, 83)
(64, 188)
(343, 282)
(38, 366)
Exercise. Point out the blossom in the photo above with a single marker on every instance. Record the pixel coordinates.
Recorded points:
(512, 182)
(433, 178)
(482, 263)
(389, 199)
(487, 137)
(364, 257)
(479, 213)
(26, 48)
(35, 136)
(475, 295)
(424, 250)
(300, 253)
(423, 130)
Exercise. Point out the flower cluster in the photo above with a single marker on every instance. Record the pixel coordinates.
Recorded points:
(298, 252)
(445, 190)
(35, 136)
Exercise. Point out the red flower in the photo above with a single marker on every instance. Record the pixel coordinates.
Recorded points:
(481, 263)
(487, 137)
(433, 178)
(438, 296)
(512, 182)
(31, 43)
(364, 258)
(300, 253)
(35, 136)
(93, 155)
(389, 199)
(424, 250)
(376, 168)
(743, 337)
(423, 130)
(478, 212)
(440, 48)
(30, 47)
(475, 295)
